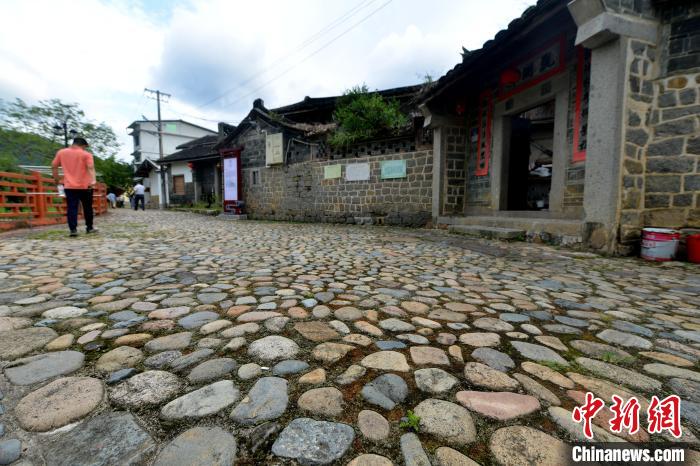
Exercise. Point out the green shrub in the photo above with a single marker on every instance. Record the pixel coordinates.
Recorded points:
(363, 115)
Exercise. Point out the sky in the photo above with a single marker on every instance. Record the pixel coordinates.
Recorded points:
(216, 56)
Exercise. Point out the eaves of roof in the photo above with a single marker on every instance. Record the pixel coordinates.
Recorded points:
(470, 59)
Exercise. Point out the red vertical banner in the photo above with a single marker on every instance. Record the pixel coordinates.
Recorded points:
(483, 151)
(232, 181)
(581, 105)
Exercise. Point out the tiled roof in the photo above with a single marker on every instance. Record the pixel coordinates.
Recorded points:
(471, 58)
(193, 150)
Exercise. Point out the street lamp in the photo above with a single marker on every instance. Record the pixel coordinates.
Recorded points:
(62, 129)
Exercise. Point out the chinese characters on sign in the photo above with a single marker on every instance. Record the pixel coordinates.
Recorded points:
(357, 172)
(331, 172)
(661, 415)
(231, 179)
(393, 169)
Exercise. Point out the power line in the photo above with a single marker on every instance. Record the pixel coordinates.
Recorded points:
(197, 117)
(332, 25)
(315, 52)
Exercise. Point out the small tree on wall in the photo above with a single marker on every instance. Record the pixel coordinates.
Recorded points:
(363, 115)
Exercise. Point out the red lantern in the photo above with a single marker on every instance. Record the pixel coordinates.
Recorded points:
(190, 165)
(460, 108)
(510, 76)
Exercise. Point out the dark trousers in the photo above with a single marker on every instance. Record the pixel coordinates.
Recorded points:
(139, 198)
(75, 197)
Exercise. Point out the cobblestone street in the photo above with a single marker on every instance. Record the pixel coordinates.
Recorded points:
(176, 339)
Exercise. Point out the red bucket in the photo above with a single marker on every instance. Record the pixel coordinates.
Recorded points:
(692, 243)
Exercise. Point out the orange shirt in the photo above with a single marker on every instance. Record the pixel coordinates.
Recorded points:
(75, 162)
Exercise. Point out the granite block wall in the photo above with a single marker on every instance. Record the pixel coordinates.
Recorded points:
(660, 173)
(299, 192)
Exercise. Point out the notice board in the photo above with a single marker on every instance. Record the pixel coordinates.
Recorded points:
(331, 171)
(393, 169)
(357, 172)
(231, 164)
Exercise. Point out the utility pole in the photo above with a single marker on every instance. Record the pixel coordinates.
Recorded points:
(160, 94)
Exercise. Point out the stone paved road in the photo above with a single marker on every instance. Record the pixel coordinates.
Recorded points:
(175, 339)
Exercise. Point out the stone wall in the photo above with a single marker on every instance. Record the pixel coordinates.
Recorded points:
(681, 36)
(640, 8)
(299, 192)
(421, 139)
(672, 174)
(660, 173)
(639, 102)
(253, 142)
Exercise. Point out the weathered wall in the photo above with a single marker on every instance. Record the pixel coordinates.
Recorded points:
(661, 175)
(672, 172)
(680, 36)
(478, 194)
(640, 96)
(299, 192)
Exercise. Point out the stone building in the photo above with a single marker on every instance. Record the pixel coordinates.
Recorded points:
(578, 123)
(312, 181)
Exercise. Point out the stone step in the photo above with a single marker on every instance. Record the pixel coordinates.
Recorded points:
(483, 231)
(531, 224)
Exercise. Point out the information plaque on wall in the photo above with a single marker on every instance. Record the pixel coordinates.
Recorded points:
(357, 172)
(232, 181)
(393, 169)
(331, 171)
(231, 176)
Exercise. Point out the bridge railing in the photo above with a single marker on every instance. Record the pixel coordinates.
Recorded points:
(28, 200)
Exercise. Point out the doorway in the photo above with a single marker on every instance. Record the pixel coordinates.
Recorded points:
(530, 159)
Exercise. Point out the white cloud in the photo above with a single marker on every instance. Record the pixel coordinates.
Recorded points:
(102, 54)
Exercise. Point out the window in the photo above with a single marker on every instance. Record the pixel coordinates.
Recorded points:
(179, 184)
(137, 139)
(255, 177)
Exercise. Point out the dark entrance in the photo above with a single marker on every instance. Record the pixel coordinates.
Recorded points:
(529, 175)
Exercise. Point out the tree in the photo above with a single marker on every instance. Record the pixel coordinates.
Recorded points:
(41, 118)
(363, 115)
(18, 148)
(113, 173)
(27, 138)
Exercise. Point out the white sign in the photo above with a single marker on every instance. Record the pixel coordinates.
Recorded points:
(273, 149)
(357, 172)
(231, 179)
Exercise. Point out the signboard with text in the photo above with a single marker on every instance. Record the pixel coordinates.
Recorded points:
(357, 172)
(331, 171)
(393, 169)
(232, 181)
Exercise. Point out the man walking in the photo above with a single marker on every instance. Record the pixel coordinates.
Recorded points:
(78, 181)
(139, 196)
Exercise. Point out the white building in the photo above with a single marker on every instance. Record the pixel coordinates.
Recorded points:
(146, 152)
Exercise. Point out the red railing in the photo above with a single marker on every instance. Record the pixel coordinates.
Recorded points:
(28, 200)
